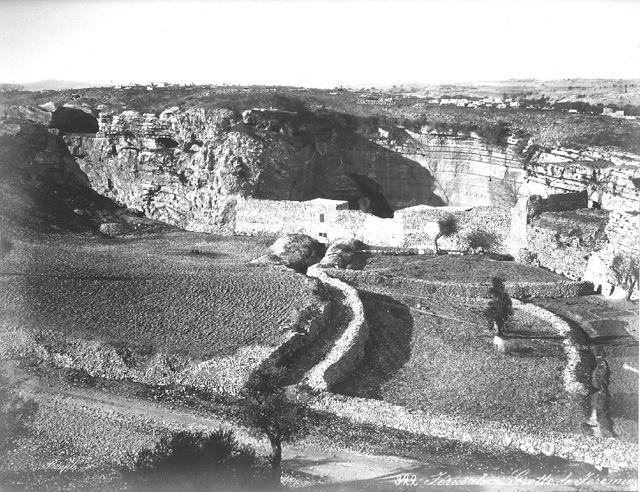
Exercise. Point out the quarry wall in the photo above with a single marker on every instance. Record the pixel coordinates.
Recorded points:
(186, 167)
(469, 171)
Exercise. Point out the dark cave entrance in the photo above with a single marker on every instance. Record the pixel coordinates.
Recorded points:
(370, 199)
(166, 143)
(72, 120)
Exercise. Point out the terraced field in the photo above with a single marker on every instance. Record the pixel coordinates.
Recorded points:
(184, 293)
(437, 355)
(460, 269)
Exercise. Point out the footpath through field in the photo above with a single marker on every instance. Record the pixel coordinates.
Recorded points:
(313, 467)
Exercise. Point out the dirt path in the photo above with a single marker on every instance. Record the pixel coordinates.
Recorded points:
(312, 464)
(309, 465)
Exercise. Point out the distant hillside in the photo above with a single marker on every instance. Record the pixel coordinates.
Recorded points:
(57, 85)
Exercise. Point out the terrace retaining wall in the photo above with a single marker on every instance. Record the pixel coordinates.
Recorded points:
(609, 453)
(428, 287)
(599, 452)
(223, 374)
(348, 349)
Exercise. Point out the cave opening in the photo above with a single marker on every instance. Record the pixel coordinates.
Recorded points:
(370, 198)
(72, 120)
(166, 143)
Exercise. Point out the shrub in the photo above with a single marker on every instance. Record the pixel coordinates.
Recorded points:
(529, 257)
(447, 226)
(184, 451)
(480, 240)
(624, 270)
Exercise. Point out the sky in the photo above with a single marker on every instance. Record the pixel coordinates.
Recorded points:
(317, 43)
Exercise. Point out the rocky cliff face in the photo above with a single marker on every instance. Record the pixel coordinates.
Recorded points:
(188, 167)
(42, 187)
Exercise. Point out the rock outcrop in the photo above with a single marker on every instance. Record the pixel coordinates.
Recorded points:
(189, 167)
(42, 187)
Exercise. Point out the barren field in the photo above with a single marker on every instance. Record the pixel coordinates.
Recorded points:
(459, 269)
(437, 355)
(182, 293)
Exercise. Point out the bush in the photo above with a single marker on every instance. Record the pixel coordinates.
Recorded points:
(447, 226)
(529, 257)
(184, 451)
(624, 270)
(482, 241)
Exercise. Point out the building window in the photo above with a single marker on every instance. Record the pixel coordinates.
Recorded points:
(322, 234)
(321, 217)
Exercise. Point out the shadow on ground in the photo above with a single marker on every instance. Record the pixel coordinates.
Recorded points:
(387, 350)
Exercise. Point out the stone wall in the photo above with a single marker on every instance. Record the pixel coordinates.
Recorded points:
(582, 244)
(414, 227)
(557, 202)
(348, 349)
(623, 233)
(609, 453)
(419, 287)
(271, 217)
(420, 226)
(569, 259)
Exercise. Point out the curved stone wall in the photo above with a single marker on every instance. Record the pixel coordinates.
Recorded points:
(348, 348)
(420, 287)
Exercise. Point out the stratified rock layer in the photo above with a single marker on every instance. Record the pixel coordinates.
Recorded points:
(189, 167)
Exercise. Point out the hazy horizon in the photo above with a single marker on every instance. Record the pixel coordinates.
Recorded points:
(317, 43)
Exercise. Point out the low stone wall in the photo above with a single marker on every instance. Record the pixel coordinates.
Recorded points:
(420, 225)
(576, 369)
(557, 202)
(224, 374)
(623, 231)
(428, 287)
(414, 227)
(270, 217)
(310, 330)
(349, 347)
(609, 453)
(565, 258)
